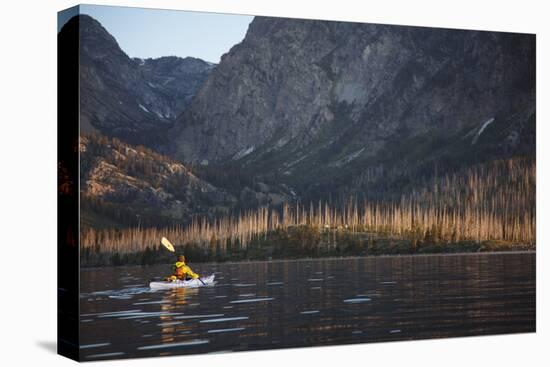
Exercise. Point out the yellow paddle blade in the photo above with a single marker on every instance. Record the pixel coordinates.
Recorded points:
(167, 244)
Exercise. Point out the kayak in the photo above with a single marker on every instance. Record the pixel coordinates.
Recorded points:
(192, 283)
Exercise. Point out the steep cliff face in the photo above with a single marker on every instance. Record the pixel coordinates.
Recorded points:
(306, 99)
(133, 99)
(178, 79)
(302, 110)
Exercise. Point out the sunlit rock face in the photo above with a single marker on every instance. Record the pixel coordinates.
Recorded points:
(115, 176)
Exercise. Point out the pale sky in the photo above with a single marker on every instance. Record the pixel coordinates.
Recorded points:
(154, 33)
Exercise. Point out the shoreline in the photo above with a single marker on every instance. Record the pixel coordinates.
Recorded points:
(476, 253)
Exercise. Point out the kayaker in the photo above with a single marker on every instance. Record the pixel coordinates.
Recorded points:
(182, 271)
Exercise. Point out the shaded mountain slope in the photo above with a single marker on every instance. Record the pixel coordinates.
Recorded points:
(313, 104)
(132, 99)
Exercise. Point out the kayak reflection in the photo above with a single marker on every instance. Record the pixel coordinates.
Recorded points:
(172, 304)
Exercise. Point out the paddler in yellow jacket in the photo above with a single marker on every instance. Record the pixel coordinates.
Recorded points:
(182, 271)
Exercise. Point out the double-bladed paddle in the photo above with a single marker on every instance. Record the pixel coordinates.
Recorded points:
(164, 241)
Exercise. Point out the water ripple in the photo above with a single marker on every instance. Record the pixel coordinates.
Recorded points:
(216, 331)
(356, 300)
(253, 300)
(174, 345)
(225, 319)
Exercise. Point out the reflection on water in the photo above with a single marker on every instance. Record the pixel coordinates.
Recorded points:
(304, 303)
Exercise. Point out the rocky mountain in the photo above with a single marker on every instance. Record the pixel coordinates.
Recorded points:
(132, 99)
(316, 105)
(299, 110)
(128, 184)
(122, 185)
(177, 78)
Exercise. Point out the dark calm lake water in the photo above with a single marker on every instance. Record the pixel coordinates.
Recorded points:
(281, 304)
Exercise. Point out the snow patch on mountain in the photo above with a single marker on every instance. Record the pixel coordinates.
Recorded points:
(480, 131)
(243, 152)
(348, 158)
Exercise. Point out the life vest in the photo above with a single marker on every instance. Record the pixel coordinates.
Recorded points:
(181, 270)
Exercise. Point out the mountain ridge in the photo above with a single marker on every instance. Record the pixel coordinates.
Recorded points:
(132, 99)
(306, 110)
(303, 101)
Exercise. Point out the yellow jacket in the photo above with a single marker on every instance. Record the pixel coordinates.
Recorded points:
(181, 271)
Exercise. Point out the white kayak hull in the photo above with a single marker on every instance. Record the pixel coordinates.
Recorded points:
(193, 283)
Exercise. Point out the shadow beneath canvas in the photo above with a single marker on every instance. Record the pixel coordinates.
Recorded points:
(49, 345)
